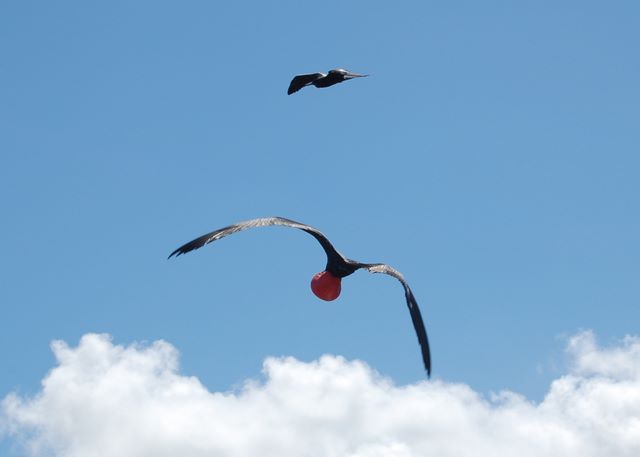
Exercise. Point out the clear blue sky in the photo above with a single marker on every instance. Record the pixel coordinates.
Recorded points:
(492, 157)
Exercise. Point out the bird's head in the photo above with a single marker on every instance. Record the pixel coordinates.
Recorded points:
(326, 286)
(347, 74)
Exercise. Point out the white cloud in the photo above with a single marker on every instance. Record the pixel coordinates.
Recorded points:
(105, 400)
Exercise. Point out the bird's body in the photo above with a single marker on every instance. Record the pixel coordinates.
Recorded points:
(326, 284)
(321, 80)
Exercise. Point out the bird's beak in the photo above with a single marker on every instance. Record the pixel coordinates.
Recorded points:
(354, 75)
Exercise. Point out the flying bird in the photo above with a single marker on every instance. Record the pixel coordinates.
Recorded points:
(321, 79)
(326, 284)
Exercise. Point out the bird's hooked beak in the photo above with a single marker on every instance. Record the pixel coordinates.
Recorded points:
(353, 75)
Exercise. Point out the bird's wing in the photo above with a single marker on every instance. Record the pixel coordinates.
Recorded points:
(416, 317)
(298, 82)
(332, 253)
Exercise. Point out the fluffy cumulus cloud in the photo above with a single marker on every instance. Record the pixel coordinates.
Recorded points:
(107, 400)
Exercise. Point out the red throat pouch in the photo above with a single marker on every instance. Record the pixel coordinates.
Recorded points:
(326, 286)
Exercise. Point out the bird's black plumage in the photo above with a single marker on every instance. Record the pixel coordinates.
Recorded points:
(321, 80)
(298, 82)
(337, 264)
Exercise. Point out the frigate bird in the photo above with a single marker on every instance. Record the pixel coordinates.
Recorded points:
(326, 284)
(321, 79)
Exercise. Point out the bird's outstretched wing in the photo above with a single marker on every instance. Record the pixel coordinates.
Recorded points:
(332, 253)
(416, 317)
(298, 82)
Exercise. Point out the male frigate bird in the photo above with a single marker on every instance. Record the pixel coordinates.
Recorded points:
(326, 284)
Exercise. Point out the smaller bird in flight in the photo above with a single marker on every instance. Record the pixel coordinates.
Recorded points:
(321, 79)
(326, 284)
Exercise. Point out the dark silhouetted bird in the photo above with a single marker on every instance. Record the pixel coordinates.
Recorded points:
(321, 79)
(326, 284)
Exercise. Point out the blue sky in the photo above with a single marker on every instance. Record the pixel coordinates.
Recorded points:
(492, 157)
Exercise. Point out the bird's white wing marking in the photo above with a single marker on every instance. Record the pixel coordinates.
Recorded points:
(386, 269)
